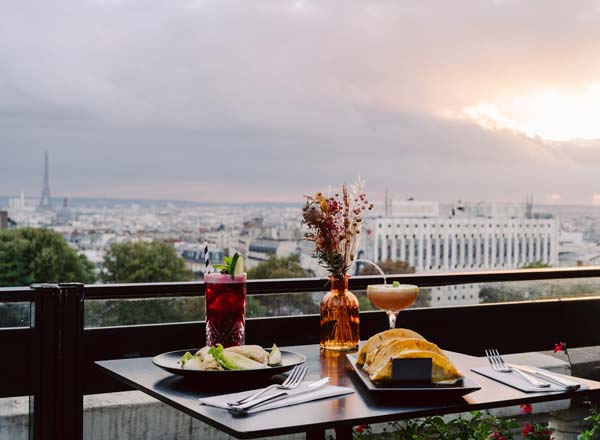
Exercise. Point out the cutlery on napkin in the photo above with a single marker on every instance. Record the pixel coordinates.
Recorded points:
(304, 393)
(546, 375)
(515, 381)
(304, 388)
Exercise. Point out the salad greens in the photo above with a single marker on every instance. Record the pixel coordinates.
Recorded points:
(231, 360)
(186, 357)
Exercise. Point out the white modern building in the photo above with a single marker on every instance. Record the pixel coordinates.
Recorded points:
(471, 237)
(462, 242)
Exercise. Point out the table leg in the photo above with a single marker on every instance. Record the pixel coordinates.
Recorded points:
(317, 434)
(340, 434)
(344, 433)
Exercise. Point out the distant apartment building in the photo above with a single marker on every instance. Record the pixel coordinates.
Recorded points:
(23, 203)
(574, 250)
(3, 220)
(193, 255)
(6, 222)
(263, 249)
(469, 237)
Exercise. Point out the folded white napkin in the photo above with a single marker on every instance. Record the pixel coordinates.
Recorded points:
(320, 393)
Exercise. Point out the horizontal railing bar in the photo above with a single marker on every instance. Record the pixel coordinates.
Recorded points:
(17, 294)
(297, 285)
(445, 309)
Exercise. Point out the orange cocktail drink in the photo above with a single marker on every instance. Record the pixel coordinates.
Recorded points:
(392, 298)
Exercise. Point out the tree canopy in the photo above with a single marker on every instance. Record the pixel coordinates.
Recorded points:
(283, 304)
(389, 267)
(286, 267)
(536, 265)
(144, 262)
(34, 255)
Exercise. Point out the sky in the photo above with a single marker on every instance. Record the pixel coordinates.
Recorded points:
(239, 101)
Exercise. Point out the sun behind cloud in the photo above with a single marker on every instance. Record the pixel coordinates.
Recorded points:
(555, 115)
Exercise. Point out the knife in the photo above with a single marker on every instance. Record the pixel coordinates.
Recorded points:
(556, 380)
(280, 396)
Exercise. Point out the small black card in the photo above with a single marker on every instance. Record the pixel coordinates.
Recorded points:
(411, 370)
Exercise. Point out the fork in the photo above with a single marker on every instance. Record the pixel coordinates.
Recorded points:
(293, 381)
(498, 364)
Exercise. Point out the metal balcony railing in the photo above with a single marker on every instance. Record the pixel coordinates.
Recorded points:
(53, 359)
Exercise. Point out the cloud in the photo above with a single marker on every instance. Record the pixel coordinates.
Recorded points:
(266, 100)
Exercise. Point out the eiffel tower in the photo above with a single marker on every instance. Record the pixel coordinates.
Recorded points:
(45, 202)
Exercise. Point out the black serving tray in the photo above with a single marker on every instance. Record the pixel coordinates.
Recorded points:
(420, 390)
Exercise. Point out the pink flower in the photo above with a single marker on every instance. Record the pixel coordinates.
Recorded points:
(561, 346)
(361, 428)
(333, 224)
(526, 408)
(527, 429)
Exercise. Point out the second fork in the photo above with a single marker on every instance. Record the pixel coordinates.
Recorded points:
(498, 364)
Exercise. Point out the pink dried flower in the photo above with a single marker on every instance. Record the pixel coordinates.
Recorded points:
(333, 224)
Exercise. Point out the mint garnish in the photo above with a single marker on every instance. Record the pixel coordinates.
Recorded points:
(229, 265)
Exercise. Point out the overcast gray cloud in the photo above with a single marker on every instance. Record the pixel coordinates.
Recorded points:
(247, 101)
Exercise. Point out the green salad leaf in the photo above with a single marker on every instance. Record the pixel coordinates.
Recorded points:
(232, 361)
(186, 357)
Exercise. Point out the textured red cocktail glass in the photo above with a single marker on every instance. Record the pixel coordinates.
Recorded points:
(225, 309)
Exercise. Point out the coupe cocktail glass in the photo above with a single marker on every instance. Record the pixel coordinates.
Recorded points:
(392, 298)
(225, 309)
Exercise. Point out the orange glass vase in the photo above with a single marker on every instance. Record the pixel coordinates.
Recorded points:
(339, 317)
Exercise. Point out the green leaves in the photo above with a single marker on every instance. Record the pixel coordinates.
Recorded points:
(229, 264)
(186, 357)
(35, 255)
(231, 360)
(144, 262)
(477, 425)
(594, 419)
(285, 267)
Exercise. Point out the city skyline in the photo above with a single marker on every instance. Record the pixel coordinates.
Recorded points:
(240, 102)
(46, 199)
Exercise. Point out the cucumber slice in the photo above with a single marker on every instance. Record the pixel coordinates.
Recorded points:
(274, 356)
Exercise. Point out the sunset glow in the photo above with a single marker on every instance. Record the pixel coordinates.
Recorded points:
(558, 115)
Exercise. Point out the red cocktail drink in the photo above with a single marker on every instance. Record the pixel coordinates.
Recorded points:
(225, 309)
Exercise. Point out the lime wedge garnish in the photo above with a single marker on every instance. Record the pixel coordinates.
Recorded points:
(237, 265)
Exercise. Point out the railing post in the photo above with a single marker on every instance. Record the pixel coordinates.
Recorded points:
(70, 374)
(57, 322)
(45, 349)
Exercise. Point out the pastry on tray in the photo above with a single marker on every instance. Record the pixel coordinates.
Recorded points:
(377, 355)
